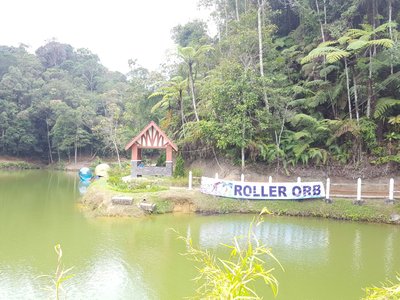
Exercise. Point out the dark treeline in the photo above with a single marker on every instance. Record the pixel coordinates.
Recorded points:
(287, 82)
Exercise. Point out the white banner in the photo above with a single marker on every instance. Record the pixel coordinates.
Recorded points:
(262, 191)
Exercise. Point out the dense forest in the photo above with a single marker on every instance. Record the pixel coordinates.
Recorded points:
(287, 82)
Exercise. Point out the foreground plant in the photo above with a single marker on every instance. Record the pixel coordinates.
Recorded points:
(235, 277)
(61, 275)
(388, 291)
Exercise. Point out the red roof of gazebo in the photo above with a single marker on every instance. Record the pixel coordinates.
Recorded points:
(151, 137)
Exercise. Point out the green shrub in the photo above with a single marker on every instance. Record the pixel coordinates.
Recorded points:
(386, 292)
(17, 165)
(179, 167)
(161, 160)
(196, 172)
(234, 278)
(136, 185)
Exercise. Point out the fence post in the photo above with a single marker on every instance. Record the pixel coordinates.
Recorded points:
(359, 201)
(270, 179)
(391, 192)
(190, 180)
(328, 191)
(298, 179)
(242, 177)
(216, 175)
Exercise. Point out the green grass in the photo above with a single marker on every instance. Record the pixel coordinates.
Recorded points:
(341, 209)
(21, 165)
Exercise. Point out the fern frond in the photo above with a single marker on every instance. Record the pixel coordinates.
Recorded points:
(386, 43)
(394, 120)
(303, 119)
(356, 33)
(357, 45)
(315, 83)
(160, 104)
(336, 56)
(344, 39)
(348, 126)
(156, 94)
(298, 102)
(299, 149)
(327, 43)
(332, 54)
(301, 134)
(384, 106)
(385, 26)
(328, 69)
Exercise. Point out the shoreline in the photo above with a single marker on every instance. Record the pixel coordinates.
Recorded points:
(97, 203)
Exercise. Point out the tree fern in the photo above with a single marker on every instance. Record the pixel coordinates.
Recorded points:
(301, 134)
(332, 54)
(384, 106)
(347, 126)
(394, 120)
(304, 120)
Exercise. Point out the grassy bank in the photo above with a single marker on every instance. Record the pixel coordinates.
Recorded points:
(17, 165)
(98, 202)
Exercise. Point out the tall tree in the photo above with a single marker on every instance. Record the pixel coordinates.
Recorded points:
(191, 57)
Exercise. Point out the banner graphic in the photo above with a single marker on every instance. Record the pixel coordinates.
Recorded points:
(262, 191)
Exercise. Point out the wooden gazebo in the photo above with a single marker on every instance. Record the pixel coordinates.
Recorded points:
(151, 137)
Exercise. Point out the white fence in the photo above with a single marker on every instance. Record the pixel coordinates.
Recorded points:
(357, 190)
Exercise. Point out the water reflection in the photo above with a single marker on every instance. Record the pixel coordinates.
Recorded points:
(108, 277)
(140, 259)
(389, 253)
(357, 251)
(286, 239)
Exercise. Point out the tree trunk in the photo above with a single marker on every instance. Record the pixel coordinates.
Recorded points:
(192, 90)
(3, 134)
(116, 151)
(48, 143)
(391, 35)
(260, 49)
(237, 10)
(76, 149)
(356, 98)
(76, 153)
(321, 25)
(348, 87)
(370, 85)
(226, 17)
(242, 149)
(181, 111)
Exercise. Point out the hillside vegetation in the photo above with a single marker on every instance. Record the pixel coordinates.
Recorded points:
(287, 82)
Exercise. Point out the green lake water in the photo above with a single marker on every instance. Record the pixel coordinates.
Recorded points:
(140, 258)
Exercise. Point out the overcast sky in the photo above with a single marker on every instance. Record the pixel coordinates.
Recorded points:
(116, 30)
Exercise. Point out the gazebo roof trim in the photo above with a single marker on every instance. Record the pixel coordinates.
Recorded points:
(158, 129)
